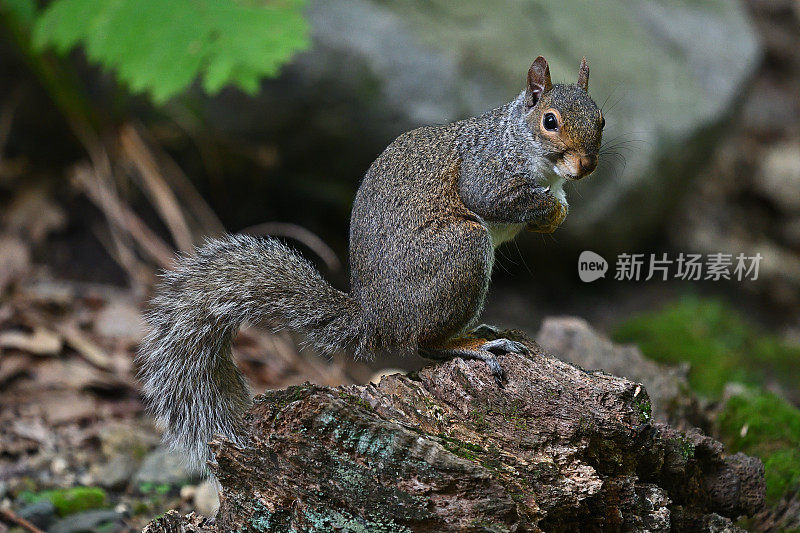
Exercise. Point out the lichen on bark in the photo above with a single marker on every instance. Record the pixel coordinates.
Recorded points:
(558, 448)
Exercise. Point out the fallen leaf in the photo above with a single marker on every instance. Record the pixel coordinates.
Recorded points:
(41, 341)
(49, 291)
(81, 343)
(72, 373)
(67, 406)
(33, 430)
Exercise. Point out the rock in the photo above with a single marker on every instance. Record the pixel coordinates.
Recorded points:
(124, 446)
(126, 438)
(557, 448)
(670, 72)
(779, 176)
(41, 513)
(206, 498)
(573, 340)
(82, 522)
(116, 472)
(59, 465)
(163, 467)
(746, 200)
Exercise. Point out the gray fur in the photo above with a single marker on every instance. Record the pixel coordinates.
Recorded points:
(425, 222)
(191, 384)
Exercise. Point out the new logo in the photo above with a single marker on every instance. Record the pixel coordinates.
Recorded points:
(591, 266)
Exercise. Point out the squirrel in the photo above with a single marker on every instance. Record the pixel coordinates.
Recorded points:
(426, 219)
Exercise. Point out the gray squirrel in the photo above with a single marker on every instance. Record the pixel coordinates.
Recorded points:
(425, 222)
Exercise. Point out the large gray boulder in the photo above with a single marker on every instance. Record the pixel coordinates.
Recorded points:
(668, 72)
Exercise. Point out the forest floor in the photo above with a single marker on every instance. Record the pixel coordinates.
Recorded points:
(78, 452)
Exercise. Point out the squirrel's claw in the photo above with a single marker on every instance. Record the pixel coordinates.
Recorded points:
(502, 345)
(495, 368)
(489, 350)
(491, 361)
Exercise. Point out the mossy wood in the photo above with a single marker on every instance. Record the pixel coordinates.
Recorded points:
(557, 449)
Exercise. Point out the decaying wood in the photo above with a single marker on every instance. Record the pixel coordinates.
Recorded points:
(557, 449)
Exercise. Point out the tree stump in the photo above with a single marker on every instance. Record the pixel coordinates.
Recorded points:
(558, 448)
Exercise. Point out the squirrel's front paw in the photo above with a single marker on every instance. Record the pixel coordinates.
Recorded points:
(551, 216)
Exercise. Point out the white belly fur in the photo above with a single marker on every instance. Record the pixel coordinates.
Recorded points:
(500, 233)
(556, 184)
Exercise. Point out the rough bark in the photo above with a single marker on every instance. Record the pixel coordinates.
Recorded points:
(557, 449)
(573, 340)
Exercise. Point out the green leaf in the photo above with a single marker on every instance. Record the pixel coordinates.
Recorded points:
(23, 11)
(160, 47)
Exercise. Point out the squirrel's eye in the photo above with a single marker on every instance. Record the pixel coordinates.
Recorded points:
(602, 122)
(550, 122)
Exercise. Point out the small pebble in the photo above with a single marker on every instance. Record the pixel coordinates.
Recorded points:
(163, 467)
(41, 513)
(88, 521)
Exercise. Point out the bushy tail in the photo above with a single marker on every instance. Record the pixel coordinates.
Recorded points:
(191, 383)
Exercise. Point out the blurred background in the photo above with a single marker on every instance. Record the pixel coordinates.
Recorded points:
(131, 129)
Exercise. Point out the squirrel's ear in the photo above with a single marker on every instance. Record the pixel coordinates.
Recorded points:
(583, 75)
(538, 81)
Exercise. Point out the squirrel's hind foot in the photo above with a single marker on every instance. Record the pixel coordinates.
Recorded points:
(503, 345)
(486, 352)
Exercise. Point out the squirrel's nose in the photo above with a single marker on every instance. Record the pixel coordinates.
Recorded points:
(586, 164)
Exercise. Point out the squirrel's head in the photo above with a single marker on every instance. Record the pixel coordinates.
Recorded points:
(564, 120)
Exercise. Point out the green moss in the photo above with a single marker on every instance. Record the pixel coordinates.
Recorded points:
(139, 451)
(346, 396)
(782, 470)
(722, 347)
(685, 446)
(645, 409)
(140, 507)
(463, 449)
(513, 414)
(762, 424)
(72, 500)
(719, 345)
(479, 419)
